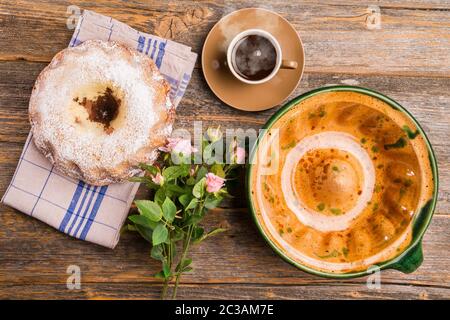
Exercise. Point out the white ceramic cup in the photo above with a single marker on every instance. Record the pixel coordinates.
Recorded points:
(279, 64)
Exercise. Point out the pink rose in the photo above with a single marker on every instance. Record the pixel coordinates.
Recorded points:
(237, 153)
(178, 145)
(171, 143)
(158, 179)
(240, 155)
(213, 183)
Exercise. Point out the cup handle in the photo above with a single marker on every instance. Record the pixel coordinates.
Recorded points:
(289, 64)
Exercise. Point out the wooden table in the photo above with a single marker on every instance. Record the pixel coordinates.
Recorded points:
(407, 58)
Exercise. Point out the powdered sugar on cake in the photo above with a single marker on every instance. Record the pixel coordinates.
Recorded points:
(83, 148)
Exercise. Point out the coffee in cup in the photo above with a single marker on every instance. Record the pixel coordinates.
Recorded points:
(254, 56)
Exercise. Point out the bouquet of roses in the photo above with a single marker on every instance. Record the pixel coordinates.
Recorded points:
(183, 194)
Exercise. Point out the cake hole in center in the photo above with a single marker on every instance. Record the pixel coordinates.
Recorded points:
(329, 181)
(103, 109)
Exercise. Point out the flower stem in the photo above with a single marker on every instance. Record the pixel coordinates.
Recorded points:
(183, 257)
(164, 290)
(169, 260)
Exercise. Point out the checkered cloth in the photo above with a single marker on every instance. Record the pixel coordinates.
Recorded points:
(87, 212)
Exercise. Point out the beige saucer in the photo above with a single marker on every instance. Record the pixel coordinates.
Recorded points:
(251, 97)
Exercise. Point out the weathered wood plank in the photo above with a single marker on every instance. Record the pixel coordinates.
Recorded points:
(238, 256)
(426, 98)
(101, 291)
(410, 41)
(406, 59)
(36, 267)
(410, 4)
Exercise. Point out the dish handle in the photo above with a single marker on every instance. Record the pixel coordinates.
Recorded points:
(411, 261)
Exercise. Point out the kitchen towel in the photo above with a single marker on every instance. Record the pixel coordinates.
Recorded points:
(87, 212)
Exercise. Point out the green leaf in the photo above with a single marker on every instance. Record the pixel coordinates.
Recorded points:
(166, 269)
(131, 227)
(148, 167)
(212, 233)
(149, 209)
(160, 196)
(173, 250)
(145, 233)
(143, 221)
(169, 209)
(197, 233)
(182, 265)
(190, 181)
(177, 234)
(175, 189)
(212, 201)
(185, 199)
(217, 169)
(152, 186)
(160, 234)
(208, 154)
(139, 179)
(192, 204)
(174, 172)
(159, 275)
(201, 173)
(157, 253)
(187, 269)
(215, 232)
(199, 189)
(193, 219)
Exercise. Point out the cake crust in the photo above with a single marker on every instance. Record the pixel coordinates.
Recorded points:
(72, 118)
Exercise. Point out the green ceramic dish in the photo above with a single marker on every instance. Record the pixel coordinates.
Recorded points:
(407, 261)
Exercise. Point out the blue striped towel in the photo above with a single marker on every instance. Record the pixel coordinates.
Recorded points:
(87, 212)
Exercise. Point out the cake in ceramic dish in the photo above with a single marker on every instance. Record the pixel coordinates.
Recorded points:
(345, 180)
(98, 110)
